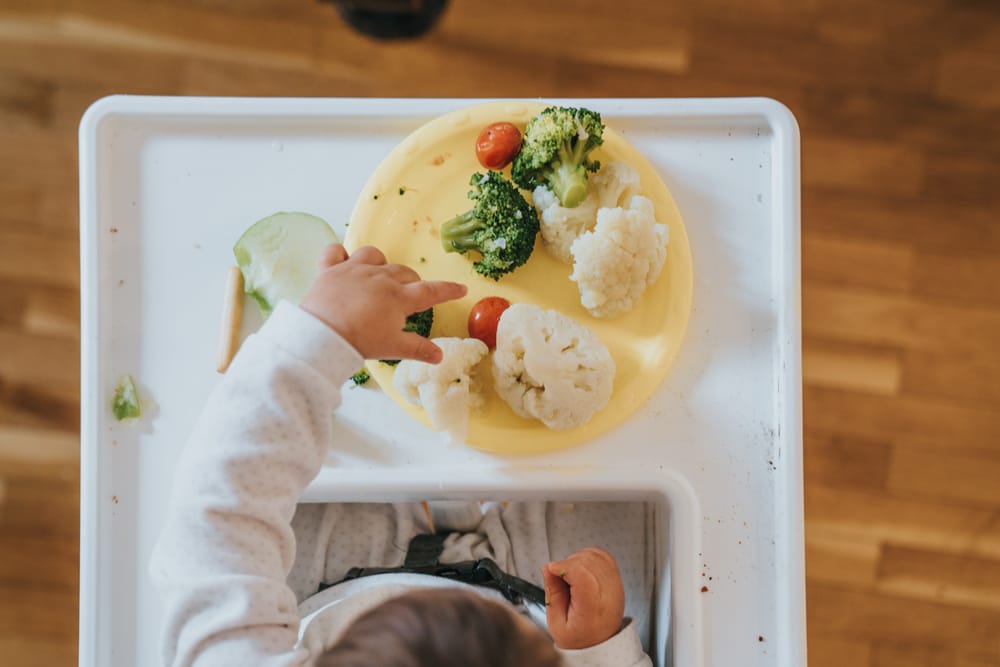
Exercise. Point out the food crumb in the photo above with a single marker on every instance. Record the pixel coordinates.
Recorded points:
(422, 260)
(704, 589)
(438, 160)
(114, 442)
(125, 403)
(760, 638)
(374, 196)
(114, 499)
(114, 230)
(121, 282)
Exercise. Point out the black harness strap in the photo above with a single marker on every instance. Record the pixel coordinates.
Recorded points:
(422, 557)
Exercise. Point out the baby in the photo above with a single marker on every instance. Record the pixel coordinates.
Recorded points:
(251, 578)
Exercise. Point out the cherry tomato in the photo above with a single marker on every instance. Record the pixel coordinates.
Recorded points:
(497, 145)
(484, 317)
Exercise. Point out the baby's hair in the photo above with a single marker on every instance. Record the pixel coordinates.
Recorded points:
(441, 628)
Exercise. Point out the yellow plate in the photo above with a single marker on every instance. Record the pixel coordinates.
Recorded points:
(432, 167)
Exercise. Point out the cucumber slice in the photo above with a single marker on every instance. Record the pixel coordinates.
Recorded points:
(279, 257)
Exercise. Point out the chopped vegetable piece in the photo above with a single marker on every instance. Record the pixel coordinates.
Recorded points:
(279, 257)
(484, 317)
(556, 152)
(497, 145)
(501, 226)
(125, 404)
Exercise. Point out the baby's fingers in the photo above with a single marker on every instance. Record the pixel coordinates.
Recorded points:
(368, 255)
(556, 597)
(332, 255)
(423, 295)
(415, 346)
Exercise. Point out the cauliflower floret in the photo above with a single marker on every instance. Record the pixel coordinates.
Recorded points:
(551, 367)
(560, 226)
(614, 263)
(615, 183)
(446, 390)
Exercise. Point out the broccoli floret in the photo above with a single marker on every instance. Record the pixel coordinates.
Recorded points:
(557, 143)
(361, 377)
(418, 323)
(501, 226)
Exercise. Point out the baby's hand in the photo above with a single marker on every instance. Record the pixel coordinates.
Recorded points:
(366, 301)
(585, 597)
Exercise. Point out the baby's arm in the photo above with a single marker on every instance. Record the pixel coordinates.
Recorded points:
(586, 609)
(222, 559)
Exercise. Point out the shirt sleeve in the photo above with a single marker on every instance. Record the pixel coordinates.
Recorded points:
(223, 557)
(622, 650)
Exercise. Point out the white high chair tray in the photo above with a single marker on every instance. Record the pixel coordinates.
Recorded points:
(168, 184)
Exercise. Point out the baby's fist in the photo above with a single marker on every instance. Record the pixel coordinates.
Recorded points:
(585, 597)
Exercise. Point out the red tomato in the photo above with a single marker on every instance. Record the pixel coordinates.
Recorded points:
(497, 145)
(484, 317)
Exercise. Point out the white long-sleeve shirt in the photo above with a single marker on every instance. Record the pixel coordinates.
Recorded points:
(223, 558)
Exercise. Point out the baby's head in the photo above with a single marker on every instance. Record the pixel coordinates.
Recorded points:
(443, 628)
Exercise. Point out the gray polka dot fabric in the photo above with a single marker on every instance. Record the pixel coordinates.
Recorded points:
(238, 555)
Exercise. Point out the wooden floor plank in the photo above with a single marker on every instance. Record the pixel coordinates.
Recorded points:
(832, 652)
(904, 420)
(949, 476)
(857, 262)
(961, 580)
(961, 279)
(859, 615)
(915, 654)
(857, 517)
(861, 368)
(885, 319)
(845, 461)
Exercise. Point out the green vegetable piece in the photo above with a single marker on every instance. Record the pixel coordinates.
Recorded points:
(125, 403)
(501, 226)
(361, 377)
(279, 257)
(555, 152)
(418, 323)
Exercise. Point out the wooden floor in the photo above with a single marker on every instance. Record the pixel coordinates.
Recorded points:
(899, 107)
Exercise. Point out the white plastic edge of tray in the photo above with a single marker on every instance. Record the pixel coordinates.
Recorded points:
(790, 556)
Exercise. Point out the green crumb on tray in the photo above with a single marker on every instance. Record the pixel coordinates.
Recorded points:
(125, 404)
(402, 191)
(422, 260)
(374, 196)
(360, 378)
